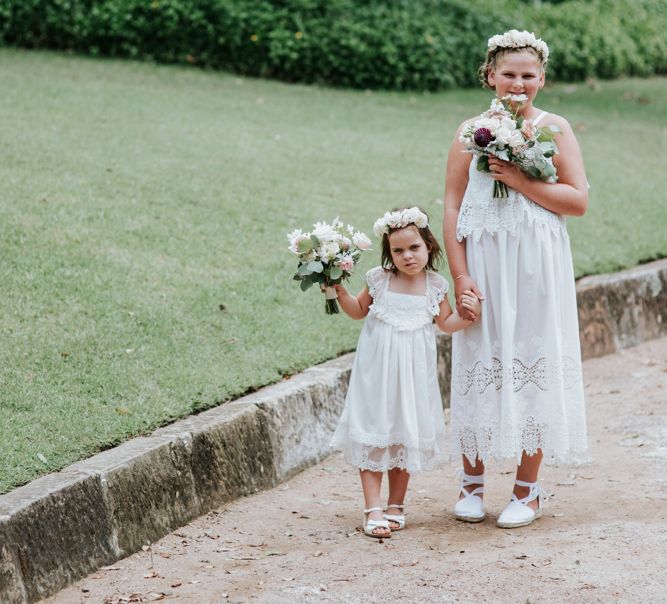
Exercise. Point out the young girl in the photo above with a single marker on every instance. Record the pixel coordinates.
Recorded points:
(516, 375)
(393, 420)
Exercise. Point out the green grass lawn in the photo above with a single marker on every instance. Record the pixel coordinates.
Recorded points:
(143, 213)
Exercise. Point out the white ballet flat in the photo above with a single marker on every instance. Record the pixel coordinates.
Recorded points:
(397, 518)
(471, 507)
(370, 525)
(518, 512)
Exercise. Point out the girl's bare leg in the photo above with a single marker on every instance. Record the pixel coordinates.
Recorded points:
(371, 483)
(476, 470)
(527, 471)
(398, 487)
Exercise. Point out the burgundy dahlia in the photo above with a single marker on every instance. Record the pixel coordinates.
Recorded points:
(483, 136)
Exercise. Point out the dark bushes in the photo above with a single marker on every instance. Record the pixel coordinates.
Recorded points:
(392, 44)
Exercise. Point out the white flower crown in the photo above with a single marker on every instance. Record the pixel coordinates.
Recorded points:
(520, 39)
(399, 220)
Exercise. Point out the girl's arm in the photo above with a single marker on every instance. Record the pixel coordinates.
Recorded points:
(569, 196)
(456, 181)
(449, 321)
(357, 308)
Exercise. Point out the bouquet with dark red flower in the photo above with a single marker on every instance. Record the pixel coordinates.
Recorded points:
(500, 132)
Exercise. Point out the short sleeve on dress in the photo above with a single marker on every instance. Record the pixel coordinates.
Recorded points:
(375, 279)
(438, 288)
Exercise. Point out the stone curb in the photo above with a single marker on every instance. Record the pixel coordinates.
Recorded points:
(61, 527)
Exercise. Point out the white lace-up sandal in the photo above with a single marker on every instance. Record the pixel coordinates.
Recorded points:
(471, 507)
(371, 525)
(518, 512)
(397, 518)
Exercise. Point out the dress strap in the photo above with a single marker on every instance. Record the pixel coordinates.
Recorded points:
(539, 118)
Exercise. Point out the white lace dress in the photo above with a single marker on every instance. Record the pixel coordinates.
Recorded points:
(516, 375)
(393, 416)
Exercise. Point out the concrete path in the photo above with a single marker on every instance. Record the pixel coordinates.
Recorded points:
(603, 537)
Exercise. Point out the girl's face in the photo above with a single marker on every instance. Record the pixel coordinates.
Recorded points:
(517, 73)
(408, 250)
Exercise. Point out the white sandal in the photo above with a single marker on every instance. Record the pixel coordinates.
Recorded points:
(397, 518)
(518, 512)
(371, 525)
(471, 507)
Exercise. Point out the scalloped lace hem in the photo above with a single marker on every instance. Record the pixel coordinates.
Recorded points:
(482, 443)
(394, 455)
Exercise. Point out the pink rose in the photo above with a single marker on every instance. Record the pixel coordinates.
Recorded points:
(528, 129)
(345, 263)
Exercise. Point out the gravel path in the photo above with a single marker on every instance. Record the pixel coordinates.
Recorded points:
(603, 537)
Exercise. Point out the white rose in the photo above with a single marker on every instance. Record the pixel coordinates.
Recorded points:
(379, 227)
(328, 250)
(516, 139)
(408, 216)
(361, 241)
(508, 122)
(421, 221)
(489, 123)
(324, 231)
(294, 238)
(503, 135)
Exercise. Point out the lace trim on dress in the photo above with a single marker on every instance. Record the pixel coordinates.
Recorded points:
(540, 373)
(480, 444)
(436, 290)
(377, 280)
(404, 312)
(480, 212)
(375, 459)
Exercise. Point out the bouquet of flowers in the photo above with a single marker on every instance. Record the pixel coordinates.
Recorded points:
(498, 132)
(326, 256)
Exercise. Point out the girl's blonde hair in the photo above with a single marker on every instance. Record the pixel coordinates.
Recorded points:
(493, 56)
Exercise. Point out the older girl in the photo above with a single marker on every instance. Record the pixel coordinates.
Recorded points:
(516, 375)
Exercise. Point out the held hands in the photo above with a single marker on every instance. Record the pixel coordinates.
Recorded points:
(466, 286)
(471, 303)
(507, 173)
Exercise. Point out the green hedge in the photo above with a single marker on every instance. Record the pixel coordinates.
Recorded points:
(391, 44)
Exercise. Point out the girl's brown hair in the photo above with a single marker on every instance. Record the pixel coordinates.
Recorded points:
(435, 257)
(494, 56)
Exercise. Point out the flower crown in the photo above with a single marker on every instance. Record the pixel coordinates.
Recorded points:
(399, 220)
(520, 39)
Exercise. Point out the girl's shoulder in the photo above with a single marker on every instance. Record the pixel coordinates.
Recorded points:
(375, 278)
(377, 272)
(553, 119)
(437, 281)
(436, 291)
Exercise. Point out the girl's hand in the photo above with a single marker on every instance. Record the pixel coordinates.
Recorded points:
(471, 302)
(466, 285)
(340, 289)
(507, 172)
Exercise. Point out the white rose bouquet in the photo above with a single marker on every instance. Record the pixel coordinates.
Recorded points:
(326, 256)
(499, 132)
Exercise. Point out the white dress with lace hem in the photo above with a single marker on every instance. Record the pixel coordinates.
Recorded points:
(393, 416)
(516, 374)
